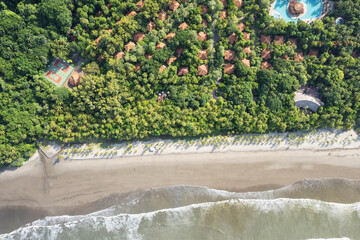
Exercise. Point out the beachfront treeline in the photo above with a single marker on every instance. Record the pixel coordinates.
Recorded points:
(119, 97)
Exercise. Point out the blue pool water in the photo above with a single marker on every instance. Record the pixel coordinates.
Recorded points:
(313, 9)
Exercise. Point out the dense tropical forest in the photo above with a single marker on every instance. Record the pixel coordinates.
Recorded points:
(206, 56)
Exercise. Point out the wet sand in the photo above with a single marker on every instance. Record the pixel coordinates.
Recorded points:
(41, 188)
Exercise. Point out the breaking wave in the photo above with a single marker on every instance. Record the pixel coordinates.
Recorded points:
(308, 209)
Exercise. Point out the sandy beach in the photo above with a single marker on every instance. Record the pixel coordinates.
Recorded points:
(74, 182)
(43, 187)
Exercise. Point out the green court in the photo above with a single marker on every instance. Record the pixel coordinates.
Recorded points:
(58, 71)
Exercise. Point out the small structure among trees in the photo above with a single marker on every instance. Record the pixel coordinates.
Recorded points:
(202, 70)
(183, 71)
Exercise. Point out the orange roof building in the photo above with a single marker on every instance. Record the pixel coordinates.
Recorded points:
(229, 68)
(137, 67)
(202, 36)
(174, 5)
(299, 57)
(284, 56)
(202, 54)
(129, 46)
(97, 40)
(224, 2)
(246, 62)
(183, 71)
(241, 26)
(75, 79)
(204, 22)
(132, 13)
(162, 15)
(162, 68)
(160, 45)
(183, 26)
(247, 36)
(170, 36)
(247, 50)
(140, 4)
(293, 41)
(203, 70)
(279, 39)
(314, 52)
(239, 3)
(265, 39)
(266, 54)
(179, 51)
(139, 36)
(265, 65)
(204, 9)
(150, 26)
(229, 55)
(119, 55)
(223, 14)
(232, 38)
(170, 60)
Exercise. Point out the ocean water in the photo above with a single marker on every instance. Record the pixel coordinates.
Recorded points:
(308, 209)
(313, 9)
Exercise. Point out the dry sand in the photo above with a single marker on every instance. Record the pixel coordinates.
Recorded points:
(41, 188)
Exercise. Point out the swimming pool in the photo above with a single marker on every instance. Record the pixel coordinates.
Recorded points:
(313, 7)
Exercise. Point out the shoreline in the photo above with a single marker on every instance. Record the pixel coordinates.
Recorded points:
(73, 187)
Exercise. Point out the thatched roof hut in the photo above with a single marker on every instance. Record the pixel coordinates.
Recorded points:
(202, 36)
(299, 57)
(266, 54)
(183, 71)
(183, 26)
(129, 46)
(202, 54)
(247, 36)
(265, 65)
(170, 36)
(229, 68)
(170, 60)
(100, 58)
(132, 13)
(296, 8)
(162, 15)
(265, 39)
(119, 55)
(223, 14)
(150, 26)
(224, 2)
(204, 22)
(140, 4)
(241, 26)
(202, 70)
(293, 41)
(162, 68)
(139, 36)
(284, 56)
(232, 38)
(179, 51)
(279, 39)
(239, 3)
(204, 9)
(148, 55)
(314, 52)
(174, 5)
(75, 79)
(229, 55)
(137, 67)
(160, 45)
(97, 40)
(247, 50)
(246, 62)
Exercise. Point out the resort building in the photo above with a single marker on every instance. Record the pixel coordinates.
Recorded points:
(170, 36)
(183, 26)
(129, 46)
(183, 71)
(174, 5)
(119, 55)
(246, 62)
(265, 39)
(229, 55)
(162, 15)
(151, 26)
(160, 45)
(202, 54)
(202, 70)
(202, 36)
(232, 38)
(139, 36)
(229, 68)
